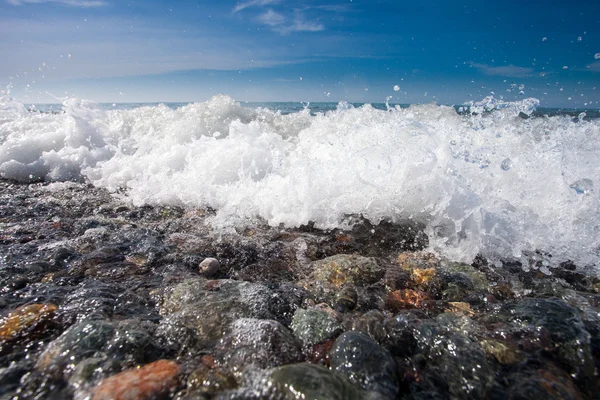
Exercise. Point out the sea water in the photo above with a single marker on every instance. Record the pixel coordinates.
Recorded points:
(505, 180)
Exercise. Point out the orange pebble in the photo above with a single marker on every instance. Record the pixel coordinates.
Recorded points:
(148, 382)
(407, 298)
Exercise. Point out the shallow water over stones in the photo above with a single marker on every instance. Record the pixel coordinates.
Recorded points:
(92, 289)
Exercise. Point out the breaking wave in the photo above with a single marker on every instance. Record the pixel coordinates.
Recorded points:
(494, 180)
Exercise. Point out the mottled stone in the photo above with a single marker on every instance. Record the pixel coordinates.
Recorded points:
(566, 330)
(405, 298)
(313, 326)
(331, 274)
(205, 381)
(123, 341)
(23, 319)
(547, 384)
(476, 279)
(365, 363)
(198, 312)
(262, 343)
(346, 299)
(455, 362)
(371, 323)
(505, 354)
(148, 382)
(459, 307)
(308, 381)
(409, 261)
(341, 269)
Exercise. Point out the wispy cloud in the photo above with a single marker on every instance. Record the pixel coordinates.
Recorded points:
(505, 70)
(300, 25)
(280, 24)
(593, 67)
(73, 3)
(106, 47)
(253, 3)
(271, 18)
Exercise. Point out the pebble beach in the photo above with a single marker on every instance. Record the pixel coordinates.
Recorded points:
(100, 299)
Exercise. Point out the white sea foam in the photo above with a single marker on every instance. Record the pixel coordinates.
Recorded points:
(491, 183)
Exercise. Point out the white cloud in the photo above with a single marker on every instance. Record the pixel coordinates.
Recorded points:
(300, 25)
(253, 3)
(279, 24)
(74, 3)
(505, 70)
(271, 18)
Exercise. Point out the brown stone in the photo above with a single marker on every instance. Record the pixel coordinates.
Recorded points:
(412, 260)
(137, 259)
(505, 354)
(209, 381)
(341, 269)
(461, 308)
(148, 382)
(320, 352)
(208, 360)
(422, 276)
(24, 318)
(405, 298)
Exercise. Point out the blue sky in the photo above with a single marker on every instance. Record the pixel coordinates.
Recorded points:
(303, 50)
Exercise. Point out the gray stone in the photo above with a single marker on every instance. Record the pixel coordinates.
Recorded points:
(309, 381)
(365, 363)
(197, 313)
(263, 343)
(313, 326)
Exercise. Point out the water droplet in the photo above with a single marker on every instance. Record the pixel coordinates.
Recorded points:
(544, 39)
(396, 88)
(506, 164)
(597, 56)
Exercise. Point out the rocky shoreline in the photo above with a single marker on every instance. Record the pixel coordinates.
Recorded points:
(103, 300)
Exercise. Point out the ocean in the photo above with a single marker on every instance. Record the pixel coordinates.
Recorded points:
(509, 181)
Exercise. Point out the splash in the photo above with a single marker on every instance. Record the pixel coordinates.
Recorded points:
(486, 182)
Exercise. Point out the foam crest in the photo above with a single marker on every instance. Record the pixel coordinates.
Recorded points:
(488, 182)
(50, 147)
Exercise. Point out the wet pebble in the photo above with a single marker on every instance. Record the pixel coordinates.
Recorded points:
(308, 381)
(198, 312)
(262, 343)
(148, 382)
(456, 363)
(314, 326)
(209, 267)
(365, 363)
(331, 274)
(547, 384)
(127, 341)
(206, 381)
(346, 299)
(24, 319)
(405, 298)
(570, 341)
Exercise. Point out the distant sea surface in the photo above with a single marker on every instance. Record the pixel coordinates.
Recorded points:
(317, 107)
